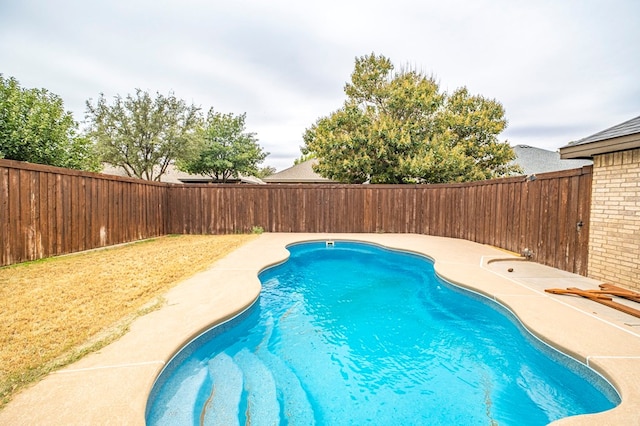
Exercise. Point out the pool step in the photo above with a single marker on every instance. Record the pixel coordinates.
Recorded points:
(308, 347)
(222, 407)
(297, 408)
(264, 380)
(260, 387)
(185, 395)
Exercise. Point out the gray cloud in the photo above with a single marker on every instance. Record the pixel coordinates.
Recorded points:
(563, 70)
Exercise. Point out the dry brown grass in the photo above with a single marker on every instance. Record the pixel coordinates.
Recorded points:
(50, 309)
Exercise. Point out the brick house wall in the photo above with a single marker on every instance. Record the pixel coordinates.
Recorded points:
(614, 240)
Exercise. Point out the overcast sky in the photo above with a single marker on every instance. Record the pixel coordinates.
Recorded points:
(562, 69)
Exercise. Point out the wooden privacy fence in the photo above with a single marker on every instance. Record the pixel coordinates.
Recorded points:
(542, 215)
(46, 211)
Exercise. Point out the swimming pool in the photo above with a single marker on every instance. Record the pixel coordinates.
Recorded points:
(354, 333)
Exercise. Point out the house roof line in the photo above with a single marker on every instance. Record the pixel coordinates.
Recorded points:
(299, 173)
(621, 137)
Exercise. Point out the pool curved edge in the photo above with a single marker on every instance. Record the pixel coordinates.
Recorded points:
(557, 323)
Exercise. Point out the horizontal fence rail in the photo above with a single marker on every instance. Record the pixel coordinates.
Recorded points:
(46, 211)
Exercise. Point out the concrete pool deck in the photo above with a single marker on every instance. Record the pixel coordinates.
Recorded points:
(111, 386)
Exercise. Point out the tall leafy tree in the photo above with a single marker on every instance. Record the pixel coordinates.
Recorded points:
(400, 128)
(144, 135)
(227, 151)
(35, 127)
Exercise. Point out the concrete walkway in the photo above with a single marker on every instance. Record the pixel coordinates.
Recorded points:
(111, 386)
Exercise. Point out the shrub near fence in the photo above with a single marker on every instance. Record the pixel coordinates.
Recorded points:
(46, 211)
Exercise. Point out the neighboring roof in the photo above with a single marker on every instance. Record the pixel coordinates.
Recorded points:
(621, 137)
(300, 173)
(536, 160)
(173, 175)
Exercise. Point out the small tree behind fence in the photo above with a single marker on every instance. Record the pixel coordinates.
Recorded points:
(46, 211)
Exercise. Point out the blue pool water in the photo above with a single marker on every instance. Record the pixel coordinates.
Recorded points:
(357, 334)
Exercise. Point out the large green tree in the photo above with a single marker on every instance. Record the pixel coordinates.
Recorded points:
(400, 128)
(227, 151)
(144, 135)
(35, 127)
